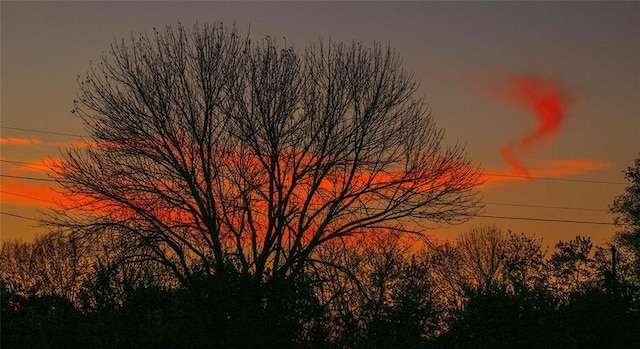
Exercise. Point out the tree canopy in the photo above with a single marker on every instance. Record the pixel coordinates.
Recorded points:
(626, 208)
(210, 150)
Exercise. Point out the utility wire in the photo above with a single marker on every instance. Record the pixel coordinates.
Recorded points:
(28, 178)
(541, 206)
(19, 216)
(26, 196)
(488, 203)
(544, 220)
(481, 216)
(15, 162)
(23, 164)
(487, 174)
(40, 131)
(555, 179)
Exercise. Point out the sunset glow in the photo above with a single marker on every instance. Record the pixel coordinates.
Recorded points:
(554, 103)
(319, 174)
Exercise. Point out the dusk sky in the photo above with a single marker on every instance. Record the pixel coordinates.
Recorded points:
(545, 95)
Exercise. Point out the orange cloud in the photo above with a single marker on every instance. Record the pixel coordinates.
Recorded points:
(35, 194)
(548, 169)
(33, 141)
(42, 165)
(563, 168)
(74, 144)
(19, 141)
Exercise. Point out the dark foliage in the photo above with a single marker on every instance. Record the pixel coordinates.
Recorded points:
(496, 318)
(46, 321)
(233, 311)
(626, 207)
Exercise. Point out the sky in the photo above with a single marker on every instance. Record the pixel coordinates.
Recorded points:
(545, 95)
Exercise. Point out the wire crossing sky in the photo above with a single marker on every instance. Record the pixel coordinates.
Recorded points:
(544, 95)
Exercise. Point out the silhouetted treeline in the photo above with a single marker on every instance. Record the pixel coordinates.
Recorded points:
(487, 289)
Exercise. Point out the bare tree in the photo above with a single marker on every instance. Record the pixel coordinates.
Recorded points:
(16, 260)
(376, 289)
(448, 278)
(211, 150)
(52, 264)
(485, 258)
(482, 250)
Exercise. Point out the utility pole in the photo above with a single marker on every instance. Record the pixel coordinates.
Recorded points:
(614, 276)
(613, 263)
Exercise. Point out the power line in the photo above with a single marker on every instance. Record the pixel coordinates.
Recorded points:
(555, 179)
(487, 174)
(551, 207)
(40, 131)
(28, 178)
(22, 163)
(15, 162)
(481, 216)
(19, 216)
(544, 220)
(27, 196)
(488, 203)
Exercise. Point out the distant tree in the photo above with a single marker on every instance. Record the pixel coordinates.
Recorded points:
(615, 268)
(482, 250)
(51, 264)
(485, 256)
(449, 282)
(485, 261)
(500, 282)
(380, 296)
(210, 151)
(572, 266)
(626, 208)
(597, 318)
(408, 318)
(17, 268)
(524, 262)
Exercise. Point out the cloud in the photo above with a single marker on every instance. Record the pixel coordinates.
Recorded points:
(33, 141)
(563, 168)
(19, 141)
(548, 169)
(79, 144)
(27, 193)
(547, 100)
(42, 165)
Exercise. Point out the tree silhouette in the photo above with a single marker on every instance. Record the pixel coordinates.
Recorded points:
(212, 152)
(51, 264)
(626, 207)
(485, 257)
(572, 265)
(482, 252)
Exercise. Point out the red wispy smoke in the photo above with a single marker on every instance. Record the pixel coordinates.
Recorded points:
(548, 101)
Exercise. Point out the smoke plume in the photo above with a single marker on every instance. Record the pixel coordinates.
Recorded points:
(548, 101)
